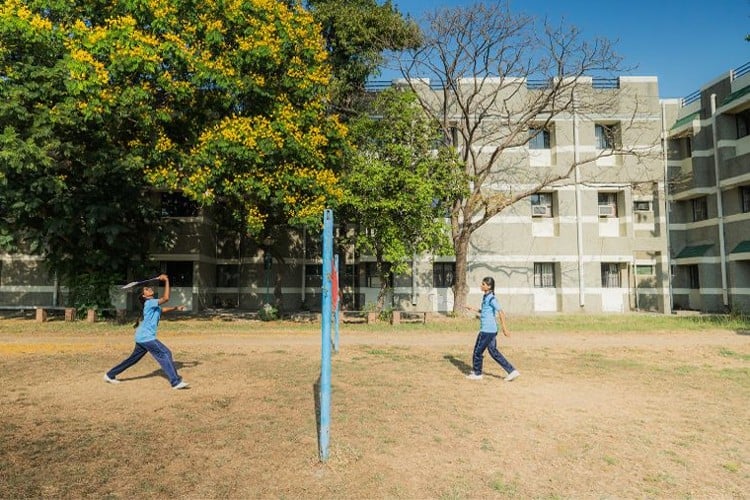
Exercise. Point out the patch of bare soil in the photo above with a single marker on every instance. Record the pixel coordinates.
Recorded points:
(591, 416)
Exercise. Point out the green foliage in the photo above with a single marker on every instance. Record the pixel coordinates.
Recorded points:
(268, 313)
(357, 34)
(89, 291)
(101, 102)
(400, 184)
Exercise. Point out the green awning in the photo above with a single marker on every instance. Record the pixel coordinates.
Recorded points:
(685, 120)
(693, 251)
(736, 95)
(743, 247)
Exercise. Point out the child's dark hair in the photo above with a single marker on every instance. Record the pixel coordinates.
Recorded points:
(490, 282)
(142, 300)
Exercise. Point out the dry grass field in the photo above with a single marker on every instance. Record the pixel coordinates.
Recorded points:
(604, 408)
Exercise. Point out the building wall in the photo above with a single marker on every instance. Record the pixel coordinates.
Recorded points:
(716, 168)
(509, 245)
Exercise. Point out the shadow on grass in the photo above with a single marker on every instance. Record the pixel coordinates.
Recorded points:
(462, 366)
(179, 365)
(316, 396)
(466, 368)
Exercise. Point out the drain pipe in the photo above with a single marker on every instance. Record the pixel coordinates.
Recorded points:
(579, 209)
(665, 149)
(719, 206)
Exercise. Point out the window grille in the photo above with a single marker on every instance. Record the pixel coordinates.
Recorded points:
(611, 275)
(544, 275)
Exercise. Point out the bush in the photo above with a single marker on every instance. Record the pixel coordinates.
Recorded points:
(268, 313)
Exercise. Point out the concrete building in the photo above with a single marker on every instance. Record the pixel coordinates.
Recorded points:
(709, 195)
(596, 241)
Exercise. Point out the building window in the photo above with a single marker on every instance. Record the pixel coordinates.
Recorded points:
(688, 144)
(372, 278)
(452, 136)
(644, 270)
(313, 274)
(611, 275)
(607, 204)
(700, 209)
(180, 273)
(541, 205)
(743, 124)
(606, 136)
(443, 274)
(446, 136)
(642, 206)
(227, 275)
(539, 138)
(544, 275)
(745, 199)
(313, 245)
(694, 281)
(349, 276)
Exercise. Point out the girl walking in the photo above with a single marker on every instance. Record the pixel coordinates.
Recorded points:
(145, 338)
(487, 337)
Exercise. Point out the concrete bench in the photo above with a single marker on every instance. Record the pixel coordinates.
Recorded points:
(408, 317)
(42, 313)
(359, 316)
(303, 317)
(353, 316)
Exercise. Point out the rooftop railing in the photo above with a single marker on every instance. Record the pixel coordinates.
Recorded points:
(692, 97)
(605, 83)
(742, 70)
(531, 84)
(733, 75)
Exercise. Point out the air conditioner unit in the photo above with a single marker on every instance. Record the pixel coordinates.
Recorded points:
(607, 211)
(541, 210)
(642, 206)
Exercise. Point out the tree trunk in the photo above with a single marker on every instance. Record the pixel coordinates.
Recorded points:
(278, 294)
(384, 271)
(460, 286)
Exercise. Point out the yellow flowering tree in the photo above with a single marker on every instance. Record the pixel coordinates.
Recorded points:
(104, 100)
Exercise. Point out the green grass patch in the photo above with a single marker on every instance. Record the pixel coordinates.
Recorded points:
(575, 323)
(728, 353)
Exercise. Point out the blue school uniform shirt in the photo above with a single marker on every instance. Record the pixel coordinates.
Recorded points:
(146, 331)
(488, 313)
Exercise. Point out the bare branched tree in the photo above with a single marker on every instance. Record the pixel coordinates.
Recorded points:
(494, 80)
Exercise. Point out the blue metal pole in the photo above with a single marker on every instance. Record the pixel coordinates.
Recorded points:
(338, 305)
(325, 356)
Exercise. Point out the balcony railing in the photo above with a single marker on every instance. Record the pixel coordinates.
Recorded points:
(692, 97)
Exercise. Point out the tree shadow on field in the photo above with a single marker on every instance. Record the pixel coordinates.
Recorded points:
(464, 367)
(179, 365)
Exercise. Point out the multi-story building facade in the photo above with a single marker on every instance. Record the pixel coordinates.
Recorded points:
(596, 241)
(709, 194)
(593, 241)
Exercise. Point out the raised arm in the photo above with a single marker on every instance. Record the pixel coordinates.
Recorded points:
(165, 296)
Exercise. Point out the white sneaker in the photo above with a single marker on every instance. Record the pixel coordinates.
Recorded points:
(110, 380)
(181, 385)
(512, 376)
(474, 376)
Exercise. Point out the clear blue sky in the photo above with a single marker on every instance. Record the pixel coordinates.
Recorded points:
(684, 43)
